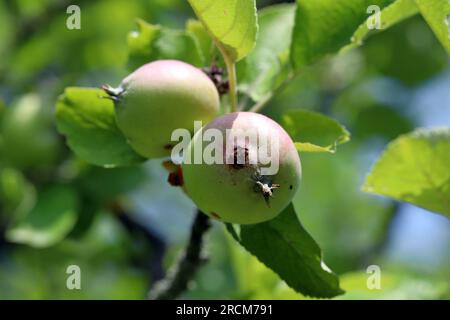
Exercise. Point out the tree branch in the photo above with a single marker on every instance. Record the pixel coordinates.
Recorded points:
(139, 232)
(155, 265)
(191, 260)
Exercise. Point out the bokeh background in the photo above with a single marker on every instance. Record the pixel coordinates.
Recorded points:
(132, 225)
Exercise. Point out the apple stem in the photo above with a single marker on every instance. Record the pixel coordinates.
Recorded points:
(231, 71)
(114, 93)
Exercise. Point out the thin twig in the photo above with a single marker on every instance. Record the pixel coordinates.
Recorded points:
(158, 247)
(191, 260)
(136, 229)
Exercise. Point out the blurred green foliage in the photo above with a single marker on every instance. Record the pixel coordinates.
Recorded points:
(40, 57)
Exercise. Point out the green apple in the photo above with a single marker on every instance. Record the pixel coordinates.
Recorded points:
(239, 191)
(158, 98)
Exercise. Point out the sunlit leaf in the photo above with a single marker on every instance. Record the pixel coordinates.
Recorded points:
(232, 23)
(388, 17)
(415, 168)
(393, 285)
(437, 15)
(285, 247)
(313, 131)
(87, 119)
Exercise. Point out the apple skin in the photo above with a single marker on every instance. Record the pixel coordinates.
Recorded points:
(29, 139)
(160, 97)
(227, 192)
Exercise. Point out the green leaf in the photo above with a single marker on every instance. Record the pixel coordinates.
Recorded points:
(394, 285)
(49, 221)
(379, 120)
(254, 281)
(394, 55)
(313, 131)
(389, 16)
(268, 65)
(437, 15)
(232, 24)
(2, 111)
(415, 168)
(203, 40)
(323, 27)
(154, 42)
(285, 247)
(17, 194)
(102, 185)
(87, 120)
(102, 253)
